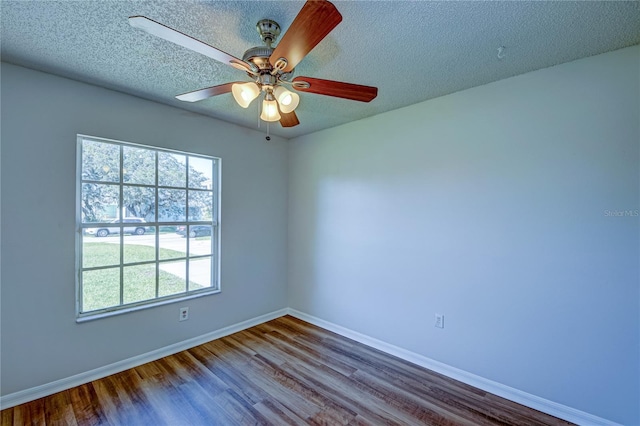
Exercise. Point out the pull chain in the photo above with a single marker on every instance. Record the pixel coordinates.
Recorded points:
(268, 138)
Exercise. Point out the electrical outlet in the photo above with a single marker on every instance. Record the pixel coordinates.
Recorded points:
(439, 321)
(184, 314)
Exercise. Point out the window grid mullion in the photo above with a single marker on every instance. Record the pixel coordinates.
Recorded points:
(188, 262)
(121, 222)
(215, 201)
(156, 217)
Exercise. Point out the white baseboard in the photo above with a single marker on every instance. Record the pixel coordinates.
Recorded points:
(526, 399)
(31, 394)
(515, 395)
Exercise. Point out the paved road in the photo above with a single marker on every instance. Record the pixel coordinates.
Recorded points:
(169, 241)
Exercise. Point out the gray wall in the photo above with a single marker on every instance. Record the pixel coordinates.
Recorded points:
(41, 115)
(488, 206)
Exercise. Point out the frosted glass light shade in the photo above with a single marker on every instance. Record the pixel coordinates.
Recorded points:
(244, 93)
(270, 111)
(287, 100)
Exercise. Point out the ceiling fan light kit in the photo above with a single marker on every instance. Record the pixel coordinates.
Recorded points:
(270, 109)
(287, 100)
(271, 68)
(244, 93)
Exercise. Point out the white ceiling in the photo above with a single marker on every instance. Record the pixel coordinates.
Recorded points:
(411, 50)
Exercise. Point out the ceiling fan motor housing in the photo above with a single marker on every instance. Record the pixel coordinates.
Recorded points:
(259, 55)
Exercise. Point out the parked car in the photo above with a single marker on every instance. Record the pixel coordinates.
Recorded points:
(138, 228)
(195, 230)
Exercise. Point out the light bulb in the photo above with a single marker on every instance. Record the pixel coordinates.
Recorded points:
(270, 110)
(288, 100)
(244, 93)
(285, 100)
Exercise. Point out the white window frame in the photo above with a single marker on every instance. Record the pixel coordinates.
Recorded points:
(80, 231)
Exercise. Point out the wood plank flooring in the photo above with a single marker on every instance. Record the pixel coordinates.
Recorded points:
(283, 372)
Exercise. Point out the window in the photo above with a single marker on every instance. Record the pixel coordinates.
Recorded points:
(147, 226)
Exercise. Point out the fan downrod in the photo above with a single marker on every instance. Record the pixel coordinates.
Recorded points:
(269, 31)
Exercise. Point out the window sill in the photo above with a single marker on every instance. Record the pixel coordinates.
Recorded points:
(91, 317)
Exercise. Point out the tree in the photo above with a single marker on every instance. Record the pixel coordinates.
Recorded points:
(100, 163)
(101, 167)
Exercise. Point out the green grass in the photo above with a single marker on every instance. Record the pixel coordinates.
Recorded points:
(106, 254)
(101, 287)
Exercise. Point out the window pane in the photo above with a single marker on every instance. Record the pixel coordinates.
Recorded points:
(139, 248)
(199, 273)
(172, 205)
(173, 277)
(99, 252)
(139, 201)
(138, 165)
(100, 161)
(100, 289)
(99, 202)
(124, 191)
(200, 205)
(172, 244)
(200, 239)
(139, 283)
(200, 170)
(172, 169)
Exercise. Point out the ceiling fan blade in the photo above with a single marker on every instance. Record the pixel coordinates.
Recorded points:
(315, 20)
(289, 119)
(159, 30)
(198, 95)
(338, 89)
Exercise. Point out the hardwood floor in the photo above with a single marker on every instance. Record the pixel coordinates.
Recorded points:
(285, 371)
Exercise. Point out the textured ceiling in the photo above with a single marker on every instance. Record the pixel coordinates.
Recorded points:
(411, 50)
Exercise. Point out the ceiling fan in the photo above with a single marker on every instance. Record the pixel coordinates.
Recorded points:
(271, 68)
